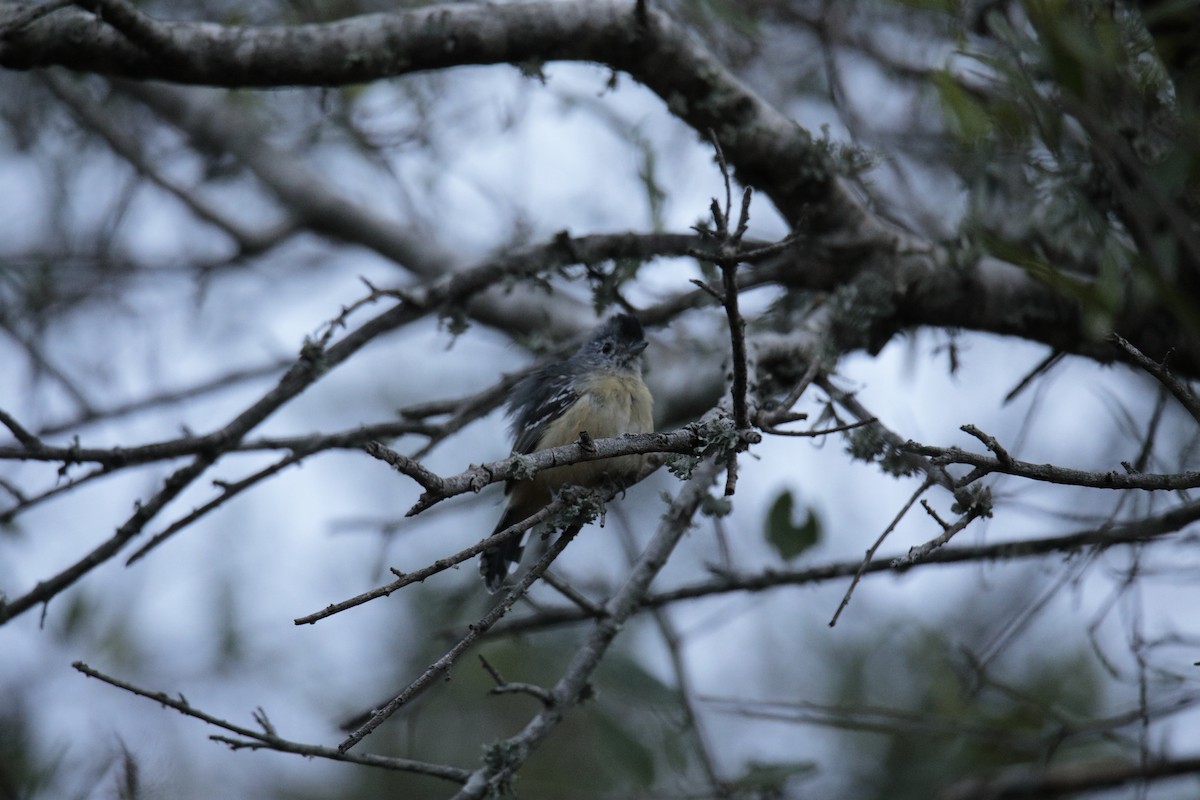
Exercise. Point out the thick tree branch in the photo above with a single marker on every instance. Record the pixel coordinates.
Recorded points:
(767, 150)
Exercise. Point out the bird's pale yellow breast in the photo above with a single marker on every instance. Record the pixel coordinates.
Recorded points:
(608, 405)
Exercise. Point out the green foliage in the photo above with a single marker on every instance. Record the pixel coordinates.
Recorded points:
(788, 538)
(24, 772)
(1080, 157)
(923, 717)
(970, 118)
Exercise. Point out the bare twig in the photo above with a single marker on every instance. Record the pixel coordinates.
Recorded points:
(727, 260)
(27, 439)
(157, 399)
(508, 687)
(874, 547)
(228, 492)
(407, 578)
(441, 665)
(26, 503)
(1072, 779)
(814, 432)
(851, 404)
(267, 738)
(1052, 474)
(989, 442)
(767, 420)
(574, 595)
(139, 28)
(949, 531)
(1121, 534)
(118, 137)
(410, 467)
(1182, 392)
(624, 603)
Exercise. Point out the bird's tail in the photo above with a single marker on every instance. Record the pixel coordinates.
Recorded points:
(495, 562)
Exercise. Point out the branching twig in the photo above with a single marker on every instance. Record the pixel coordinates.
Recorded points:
(1052, 474)
(140, 29)
(119, 138)
(1182, 392)
(624, 603)
(26, 503)
(27, 439)
(849, 402)
(874, 547)
(574, 595)
(407, 578)
(410, 467)
(949, 531)
(1140, 530)
(683, 680)
(729, 243)
(439, 667)
(508, 687)
(268, 739)
(989, 442)
(228, 492)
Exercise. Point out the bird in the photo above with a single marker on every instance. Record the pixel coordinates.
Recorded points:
(599, 391)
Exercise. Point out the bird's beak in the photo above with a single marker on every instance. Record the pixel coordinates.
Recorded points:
(637, 348)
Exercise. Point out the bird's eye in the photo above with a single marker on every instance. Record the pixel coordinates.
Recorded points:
(607, 348)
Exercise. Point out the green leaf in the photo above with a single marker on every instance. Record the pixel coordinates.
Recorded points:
(968, 115)
(789, 539)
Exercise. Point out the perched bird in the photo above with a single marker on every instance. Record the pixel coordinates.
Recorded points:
(599, 390)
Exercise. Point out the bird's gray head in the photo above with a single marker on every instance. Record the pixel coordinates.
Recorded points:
(616, 343)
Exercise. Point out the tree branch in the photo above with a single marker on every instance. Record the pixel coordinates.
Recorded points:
(1050, 473)
(567, 691)
(1126, 533)
(267, 738)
